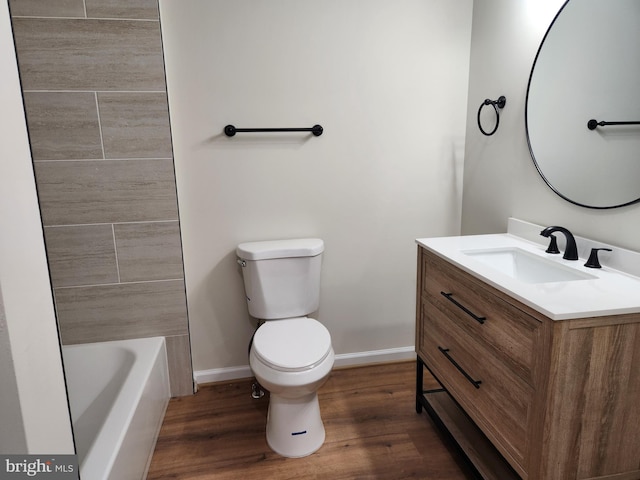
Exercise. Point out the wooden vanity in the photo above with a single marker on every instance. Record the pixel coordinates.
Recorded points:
(523, 395)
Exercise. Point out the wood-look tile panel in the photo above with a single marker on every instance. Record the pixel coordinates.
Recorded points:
(63, 126)
(118, 312)
(81, 255)
(135, 125)
(80, 54)
(139, 9)
(149, 251)
(47, 8)
(180, 370)
(106, 191)
(372, 432)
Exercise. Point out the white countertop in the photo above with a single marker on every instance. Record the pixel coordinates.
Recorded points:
(611, 292)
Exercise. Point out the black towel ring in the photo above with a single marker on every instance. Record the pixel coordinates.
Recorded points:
(500, 103)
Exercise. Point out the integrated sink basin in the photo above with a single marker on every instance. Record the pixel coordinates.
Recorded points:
(526, 267)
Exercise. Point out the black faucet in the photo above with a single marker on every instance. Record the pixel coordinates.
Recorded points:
(571, 251)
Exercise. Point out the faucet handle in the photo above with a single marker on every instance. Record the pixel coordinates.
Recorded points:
(553, 245)
(593, 261)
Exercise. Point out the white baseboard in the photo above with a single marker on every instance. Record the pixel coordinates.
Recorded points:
(375, 356)
(342, 360)
(221, 374)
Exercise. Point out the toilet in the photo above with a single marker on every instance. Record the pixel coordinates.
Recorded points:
(291, 354)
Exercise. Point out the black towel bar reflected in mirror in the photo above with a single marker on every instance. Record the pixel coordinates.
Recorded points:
(230, 130)
(593, 123)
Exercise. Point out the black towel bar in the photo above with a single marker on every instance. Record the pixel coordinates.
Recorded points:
(593, 124)
(230, 130)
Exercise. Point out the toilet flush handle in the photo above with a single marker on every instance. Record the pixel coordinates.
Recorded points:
(241, 262)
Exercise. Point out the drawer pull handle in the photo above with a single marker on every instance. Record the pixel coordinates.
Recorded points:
(449, 297)
(445, 352)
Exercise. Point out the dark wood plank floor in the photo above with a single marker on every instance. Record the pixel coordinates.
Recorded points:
(372, 432)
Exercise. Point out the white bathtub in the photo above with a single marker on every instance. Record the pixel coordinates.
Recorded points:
(118, 394)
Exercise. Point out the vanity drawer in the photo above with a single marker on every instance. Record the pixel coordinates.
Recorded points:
(509, 333)
(498, 400)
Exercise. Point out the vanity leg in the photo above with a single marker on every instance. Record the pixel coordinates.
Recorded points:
(419, 383)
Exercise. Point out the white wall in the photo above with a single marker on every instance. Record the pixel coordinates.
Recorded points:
(28, 332)
(387, 81)
(13, 438)
(500, 179)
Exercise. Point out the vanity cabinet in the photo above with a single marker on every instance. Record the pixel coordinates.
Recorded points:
(526, 396)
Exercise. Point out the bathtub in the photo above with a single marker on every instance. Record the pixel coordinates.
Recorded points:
(118, 394)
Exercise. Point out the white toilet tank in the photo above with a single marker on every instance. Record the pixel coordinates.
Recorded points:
(281, 277)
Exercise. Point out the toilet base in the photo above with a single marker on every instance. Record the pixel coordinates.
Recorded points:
(294, 426)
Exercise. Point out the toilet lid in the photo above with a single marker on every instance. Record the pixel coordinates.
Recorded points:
(292, 343)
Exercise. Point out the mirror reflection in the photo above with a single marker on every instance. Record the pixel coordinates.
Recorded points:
(588, 68)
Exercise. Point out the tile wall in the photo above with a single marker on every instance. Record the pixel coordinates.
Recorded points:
(92, 74)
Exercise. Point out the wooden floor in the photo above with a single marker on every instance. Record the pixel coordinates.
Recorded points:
(372, 432)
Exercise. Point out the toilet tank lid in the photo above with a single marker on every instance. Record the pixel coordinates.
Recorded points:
(297, 247)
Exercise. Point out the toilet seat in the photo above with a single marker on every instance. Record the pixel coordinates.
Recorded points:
(292, 344)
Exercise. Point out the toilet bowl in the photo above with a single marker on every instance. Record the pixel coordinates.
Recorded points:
(292, 359)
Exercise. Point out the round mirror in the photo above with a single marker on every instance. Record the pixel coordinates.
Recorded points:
(588, 68)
